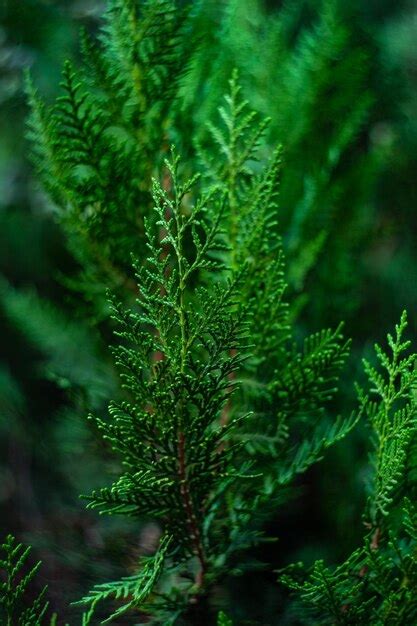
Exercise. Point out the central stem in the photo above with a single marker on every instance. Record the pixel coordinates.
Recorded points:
(192, 521)
(191, 518)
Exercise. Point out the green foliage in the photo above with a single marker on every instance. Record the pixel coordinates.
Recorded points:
(277, 374)
(179, 349)
(392, 417)
(69, 349)
(314, 83)
(217, 393)
(17, 576)
(376, 584)
(135, 588)
(227, 397)
(327, 64)
(186, 365)
(171, 386)
(97, 147)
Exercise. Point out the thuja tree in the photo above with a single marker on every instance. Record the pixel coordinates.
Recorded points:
(220, 409)
(206, 357)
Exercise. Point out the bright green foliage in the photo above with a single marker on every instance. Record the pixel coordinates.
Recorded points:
(140, 88)
(312, 78)
(98, 146)
(217, 391)
(277, 374)
(393, 418)
(196, 388)
(15, 582)
(180, 348)
(225, 402)
(135, 588)
(377, 583)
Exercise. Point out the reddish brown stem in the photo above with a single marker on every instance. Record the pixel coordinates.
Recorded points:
(192, 522)
(375, 539)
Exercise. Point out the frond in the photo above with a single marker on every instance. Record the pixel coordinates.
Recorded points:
(133, 591)
(15, 607)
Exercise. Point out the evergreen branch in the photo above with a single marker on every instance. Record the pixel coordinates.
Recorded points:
(392, 416)
(176, 360)
(135, 589)
(14, 605)
(377, 583)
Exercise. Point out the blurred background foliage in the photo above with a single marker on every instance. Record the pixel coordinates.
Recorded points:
(339, 82)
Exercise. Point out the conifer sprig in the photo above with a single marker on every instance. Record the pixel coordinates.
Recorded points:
(221, 409)
(391, 410)
(179, 348)
(134, 589)
(377, 583)
(17, 576)
(283, 386)
(97, 148)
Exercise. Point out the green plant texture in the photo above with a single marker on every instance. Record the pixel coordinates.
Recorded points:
(209, 173)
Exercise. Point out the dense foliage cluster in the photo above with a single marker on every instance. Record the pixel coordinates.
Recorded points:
(376, 584)
(210, 258)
